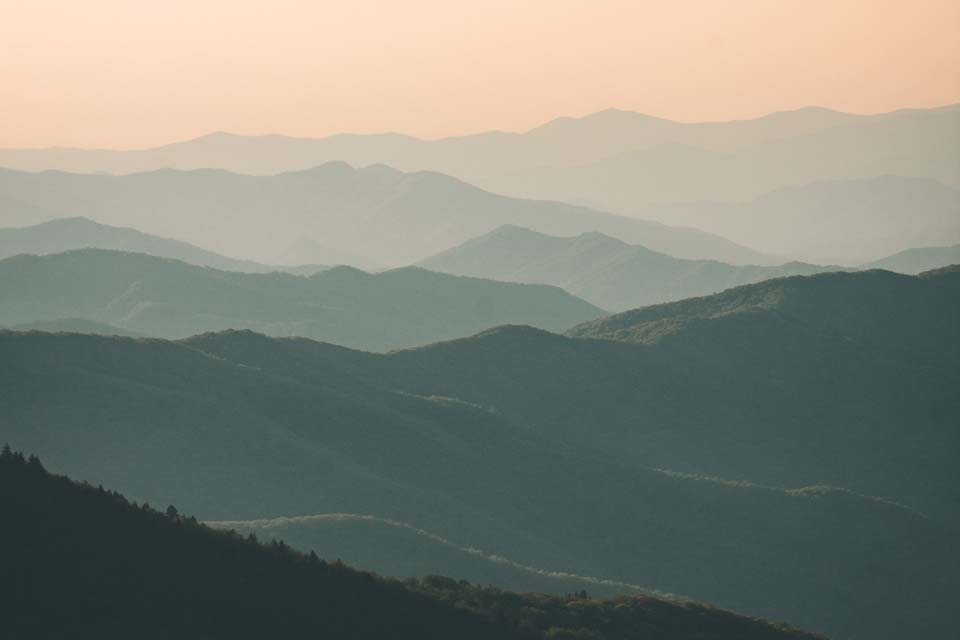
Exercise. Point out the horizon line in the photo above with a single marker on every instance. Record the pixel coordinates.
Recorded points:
(546, 123)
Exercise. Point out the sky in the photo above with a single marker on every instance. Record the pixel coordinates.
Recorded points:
(130, 74)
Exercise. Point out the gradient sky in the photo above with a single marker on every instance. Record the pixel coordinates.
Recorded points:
(128, 73)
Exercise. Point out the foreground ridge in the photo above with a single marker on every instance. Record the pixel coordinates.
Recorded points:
(111, 567)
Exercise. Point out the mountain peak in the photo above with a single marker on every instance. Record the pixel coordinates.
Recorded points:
(606, 117)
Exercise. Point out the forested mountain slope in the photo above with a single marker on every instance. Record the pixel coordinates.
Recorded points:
(80, 561)
(239, 426)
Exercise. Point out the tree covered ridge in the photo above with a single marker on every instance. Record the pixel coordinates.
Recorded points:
(80, 560)
(874, 301)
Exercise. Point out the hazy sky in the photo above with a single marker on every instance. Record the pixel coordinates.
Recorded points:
(129, 73)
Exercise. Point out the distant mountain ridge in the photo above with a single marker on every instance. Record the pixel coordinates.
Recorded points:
(844, 221)
(602, 270)
(612, 160)
(167, 298)
(743, 160)
(377, 215)
(66, 234)
(917, 260)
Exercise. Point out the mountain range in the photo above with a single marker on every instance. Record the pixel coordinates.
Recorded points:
(724, 448)
(614, 160)
(375, 216)
(744, 160)
(114, 569)
(841, 221)
(602, 270)
(167, 298)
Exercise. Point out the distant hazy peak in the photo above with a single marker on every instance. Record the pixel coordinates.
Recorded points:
(606, 117)
(871, 184)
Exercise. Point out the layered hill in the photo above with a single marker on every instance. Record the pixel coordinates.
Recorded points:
(73, 325)
(168, 298)
(918, 260)
(615, 160)
(112, 569)
(545, 449)
(691, 168)
(67, 234)
(609, 273)
(845, 221)
(375, 216)
(835, 378)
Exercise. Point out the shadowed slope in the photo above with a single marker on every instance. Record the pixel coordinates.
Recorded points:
(109, 569)
(239, 426)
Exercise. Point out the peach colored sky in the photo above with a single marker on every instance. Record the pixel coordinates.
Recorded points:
(128, 73)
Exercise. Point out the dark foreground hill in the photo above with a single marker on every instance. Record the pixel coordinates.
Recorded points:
(401, 550)
(83, 562)
(602, 270)
(846, 379)
(167, 298)
(239, 426)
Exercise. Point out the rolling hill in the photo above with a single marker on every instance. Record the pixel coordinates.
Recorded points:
(73, 325)
(834, 378)
(846, 221)
(111, 569)
(918, 260)
(602, 270)
(167, 298)
(723, 448)
(375, 215)
(67, 234)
